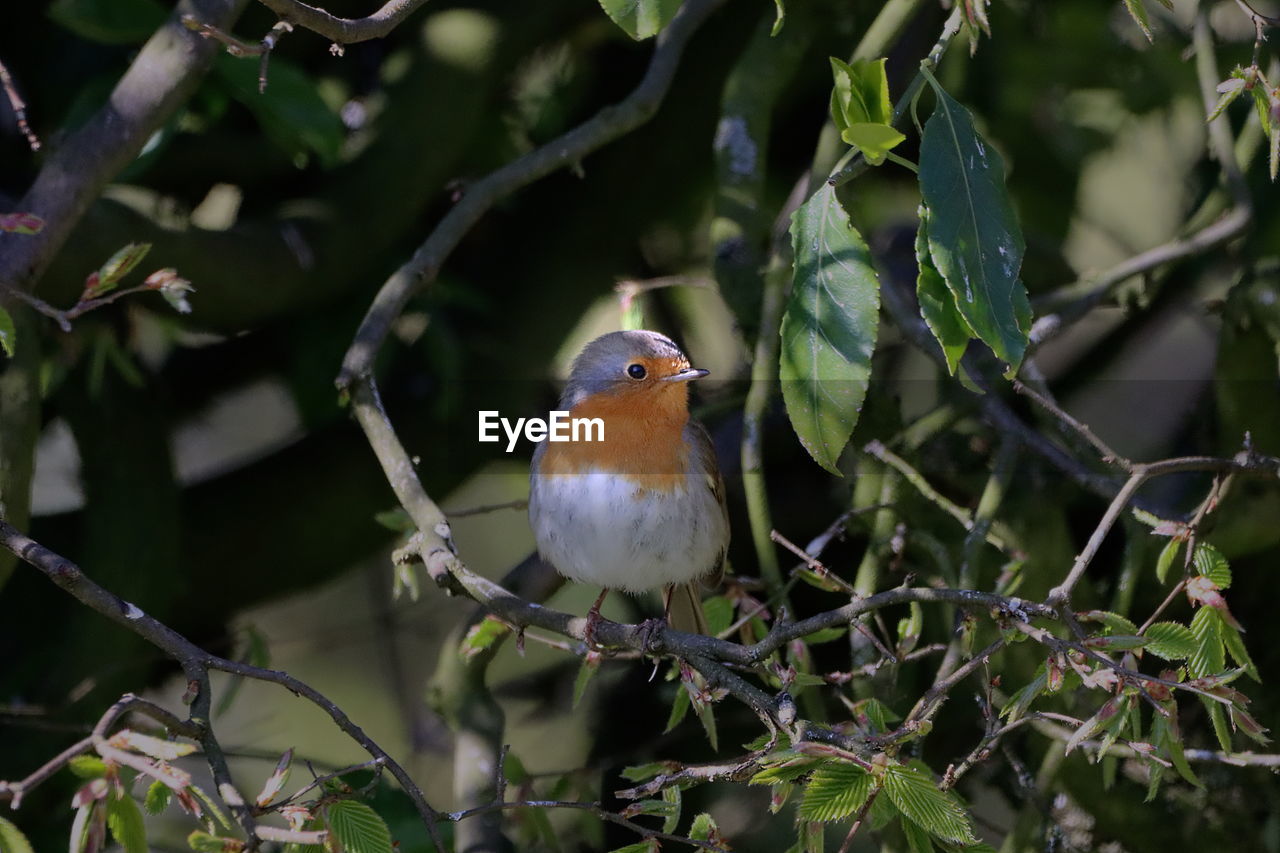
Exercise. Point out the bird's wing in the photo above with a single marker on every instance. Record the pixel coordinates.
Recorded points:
(703, 456)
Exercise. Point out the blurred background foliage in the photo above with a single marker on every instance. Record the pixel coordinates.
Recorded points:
(201, 466)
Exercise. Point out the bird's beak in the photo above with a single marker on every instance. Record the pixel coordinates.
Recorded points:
(686, 374)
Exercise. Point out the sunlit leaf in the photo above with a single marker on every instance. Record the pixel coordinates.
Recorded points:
(157, 799)
(1167, 555)
(124, 819)
(1210, 563)
(641, 19)
(915, 794)
(829, 329)
(837, 790)
(11, 838)
(1170, 640)
(358, 828)
(1209, 656)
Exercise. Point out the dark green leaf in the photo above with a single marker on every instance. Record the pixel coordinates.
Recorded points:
(11, 838)
(719, 613)
(679, 707)
(124, 819)
(974, 237)
(641, 19)
(1218, 718)
(290, 111)
(1170, 640)
(1235, 647)
(829, 329)
(358, 828)
(837, 790)
(938, 303)
(1209, 657)
(915, 795)
(109, 21)
(918, 840)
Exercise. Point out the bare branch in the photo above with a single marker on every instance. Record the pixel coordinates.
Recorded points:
(344, 30)
(19, 108)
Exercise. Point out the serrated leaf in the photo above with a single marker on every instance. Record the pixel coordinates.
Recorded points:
(1219, 720)
(11, 838)
(358, 828)
(829, 329)
(974, 237)
(1210, 563)
(1235, 647)
(157, 799)
(641, 19)
(837, 790)
(915, 795)
(1138, 12)
(1229, 90)
(662, 808)
(672, 795)
(918, 840)
(1105, 719)
(1170, 640)
(937, 302)
(8, 333)
(641, 772)
(124, 819)
(1209, 657)
(1167, 555)
(1021, 700)
(703, 827)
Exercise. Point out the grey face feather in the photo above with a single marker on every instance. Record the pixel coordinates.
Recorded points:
(602, 364)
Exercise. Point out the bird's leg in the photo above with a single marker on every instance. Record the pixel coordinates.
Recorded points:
(593, 620)
(650, 627)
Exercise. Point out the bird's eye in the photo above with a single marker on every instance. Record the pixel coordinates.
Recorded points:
(636, 371)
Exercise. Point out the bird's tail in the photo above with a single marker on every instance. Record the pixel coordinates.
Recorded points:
(684, 609)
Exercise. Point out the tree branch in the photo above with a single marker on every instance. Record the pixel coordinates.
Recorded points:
(344, 30)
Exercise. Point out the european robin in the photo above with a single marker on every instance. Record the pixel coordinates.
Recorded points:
(643, 509)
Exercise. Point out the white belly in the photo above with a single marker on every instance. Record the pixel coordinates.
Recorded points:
(606, 530)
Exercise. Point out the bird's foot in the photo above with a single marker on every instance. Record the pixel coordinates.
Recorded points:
(593, 623)
(650, 630)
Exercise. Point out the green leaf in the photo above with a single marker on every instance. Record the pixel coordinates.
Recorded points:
(1219, 720)
(1170, 640)
(974, 237)
(672, 796)
(11, 838)
(358, 828)
(641, 19)
(861, 109)
(918, 840)
(276, 781)
(787, 771)
(1209, 657)
(483, 635)
(837, 790)
(1139, 14)
(157, 799)
(779, 17)
(1105, 720)
(663, 808)
(679, 707)
(915, 795)
(703, 827)
(124, 819)
(641, 772)
(1167, 556)
(291, 112)
(1229, 89)
(203, 842)
(109, 21)
(938, 303)
(1210, 563)
(8, 334)
(719, 613)
(87, 766)
(811, 837)
(875, 141)
(1113, 622)
(829, 329)
(1020, 701)
(1235, 647)
(108, 276)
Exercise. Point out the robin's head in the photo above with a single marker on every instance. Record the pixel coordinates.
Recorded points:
(624, 363)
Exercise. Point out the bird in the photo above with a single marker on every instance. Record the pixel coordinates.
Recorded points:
(644, 508)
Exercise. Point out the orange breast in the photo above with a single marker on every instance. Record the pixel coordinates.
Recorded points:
(643, 437)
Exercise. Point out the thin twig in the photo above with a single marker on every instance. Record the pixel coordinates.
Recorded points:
(1082, 429)
(595, 809)
(19, 108)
